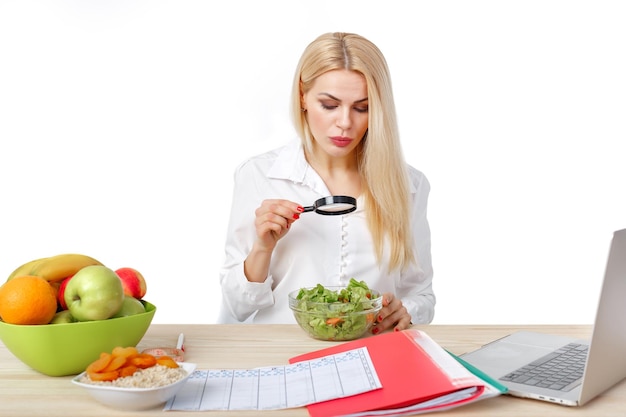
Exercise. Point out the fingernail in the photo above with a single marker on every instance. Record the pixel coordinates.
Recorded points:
(296, 216)
(300, 209)
(375, 330)
(380, 318)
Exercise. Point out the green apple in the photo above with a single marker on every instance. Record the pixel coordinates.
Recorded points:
(130, 306)
(63, 316)
(94, 293)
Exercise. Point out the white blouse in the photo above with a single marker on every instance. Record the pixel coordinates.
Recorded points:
(328, 250)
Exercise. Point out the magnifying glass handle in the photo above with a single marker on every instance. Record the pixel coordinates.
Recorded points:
(308, 208)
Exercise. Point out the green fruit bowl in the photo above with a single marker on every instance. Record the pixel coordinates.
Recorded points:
(67, 348)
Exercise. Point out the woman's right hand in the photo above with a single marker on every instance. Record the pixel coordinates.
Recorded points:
(273, 220)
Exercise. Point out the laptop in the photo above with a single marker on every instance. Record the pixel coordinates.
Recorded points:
(517, 360)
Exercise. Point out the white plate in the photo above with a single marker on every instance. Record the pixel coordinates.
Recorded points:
(135, 398)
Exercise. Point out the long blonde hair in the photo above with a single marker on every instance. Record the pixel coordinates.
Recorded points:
(380, 159)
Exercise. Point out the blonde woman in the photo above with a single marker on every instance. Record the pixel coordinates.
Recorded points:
(349, 145)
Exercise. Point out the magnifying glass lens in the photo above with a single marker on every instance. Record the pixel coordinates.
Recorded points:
(333, 205)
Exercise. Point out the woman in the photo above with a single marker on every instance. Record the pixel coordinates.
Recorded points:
(344, 113)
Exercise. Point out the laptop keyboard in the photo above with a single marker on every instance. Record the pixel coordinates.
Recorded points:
(557, 370)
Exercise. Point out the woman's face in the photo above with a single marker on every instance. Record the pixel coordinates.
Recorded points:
(337, 111)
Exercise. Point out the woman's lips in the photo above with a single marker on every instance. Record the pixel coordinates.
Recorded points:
(340, 141)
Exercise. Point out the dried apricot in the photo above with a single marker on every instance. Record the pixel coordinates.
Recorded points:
(143, 360)
(125, 352)
(99, 364)
(128, 370)
(116, 363)
(167, 361)
(103, 376)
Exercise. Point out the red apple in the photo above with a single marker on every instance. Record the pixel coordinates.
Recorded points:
(133, 282)
(61, 293)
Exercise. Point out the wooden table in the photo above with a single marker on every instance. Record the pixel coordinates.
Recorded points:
(24, 392)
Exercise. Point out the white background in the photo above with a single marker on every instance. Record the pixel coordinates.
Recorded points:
(121, 123)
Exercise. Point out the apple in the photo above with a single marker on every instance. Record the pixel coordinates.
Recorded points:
(133, 282)
(130, 306)
(63, 316)
(61, 293)
(94, 293)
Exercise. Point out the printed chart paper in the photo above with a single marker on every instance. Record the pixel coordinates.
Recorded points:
(277, 387)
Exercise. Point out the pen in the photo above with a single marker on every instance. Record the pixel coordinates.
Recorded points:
(180, 345)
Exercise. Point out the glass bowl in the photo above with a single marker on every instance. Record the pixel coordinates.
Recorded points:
(337, 320)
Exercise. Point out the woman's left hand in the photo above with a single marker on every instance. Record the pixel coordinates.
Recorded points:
(392, 315)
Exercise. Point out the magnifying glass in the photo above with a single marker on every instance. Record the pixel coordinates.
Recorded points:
(333, 205)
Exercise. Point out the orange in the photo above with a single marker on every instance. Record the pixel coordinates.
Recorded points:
(27, 300)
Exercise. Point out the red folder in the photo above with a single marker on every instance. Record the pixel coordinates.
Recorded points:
(412, 369)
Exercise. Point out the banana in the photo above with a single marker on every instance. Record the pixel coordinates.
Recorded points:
(26, 268)
(56, 268)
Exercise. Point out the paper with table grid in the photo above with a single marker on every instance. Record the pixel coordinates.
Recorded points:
(276, 387)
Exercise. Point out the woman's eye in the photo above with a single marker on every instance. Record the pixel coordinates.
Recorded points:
(360, 109)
